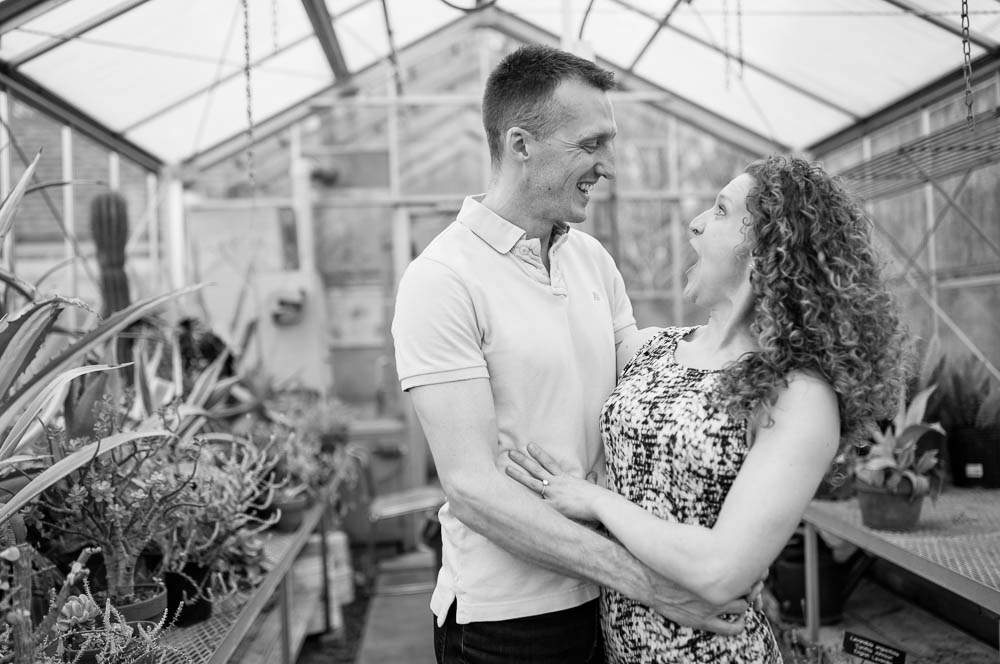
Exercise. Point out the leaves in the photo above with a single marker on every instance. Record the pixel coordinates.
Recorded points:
(13, 200)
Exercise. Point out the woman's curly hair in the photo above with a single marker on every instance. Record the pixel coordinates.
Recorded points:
(820, 304)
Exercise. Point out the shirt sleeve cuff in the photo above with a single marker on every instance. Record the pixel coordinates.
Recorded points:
(448, 376)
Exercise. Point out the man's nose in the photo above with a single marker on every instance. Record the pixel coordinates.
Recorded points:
(606, 164)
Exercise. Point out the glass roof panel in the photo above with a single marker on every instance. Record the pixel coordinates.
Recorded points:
(750, 100)
(605, 27)
(546, 14)
(984, 15)
(851, 52)
(162, 52)
(416, 18)
(57, 21)
(292, 76)
(362, 37)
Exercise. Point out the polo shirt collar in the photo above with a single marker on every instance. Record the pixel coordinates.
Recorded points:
(493, 229)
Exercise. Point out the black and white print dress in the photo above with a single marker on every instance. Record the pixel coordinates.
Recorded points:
(671, 451)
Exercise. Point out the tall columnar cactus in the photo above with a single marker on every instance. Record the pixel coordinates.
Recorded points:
(109, 228)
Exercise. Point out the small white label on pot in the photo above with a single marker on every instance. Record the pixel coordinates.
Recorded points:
(974, 471)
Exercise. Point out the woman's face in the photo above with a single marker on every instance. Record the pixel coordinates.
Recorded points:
(718, 236)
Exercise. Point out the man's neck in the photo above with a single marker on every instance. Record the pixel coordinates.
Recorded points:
(508, 203)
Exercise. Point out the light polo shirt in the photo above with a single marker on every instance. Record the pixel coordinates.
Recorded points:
(478, 303)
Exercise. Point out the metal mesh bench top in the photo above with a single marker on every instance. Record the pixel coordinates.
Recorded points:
(956, 544)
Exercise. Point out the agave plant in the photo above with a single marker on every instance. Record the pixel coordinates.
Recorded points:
(892, 462)
(34, 378)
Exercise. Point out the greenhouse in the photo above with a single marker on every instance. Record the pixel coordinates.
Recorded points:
(377, 331)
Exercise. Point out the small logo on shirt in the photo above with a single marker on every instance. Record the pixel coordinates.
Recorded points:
(597, 297)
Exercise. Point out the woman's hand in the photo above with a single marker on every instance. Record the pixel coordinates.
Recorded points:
(574, 497)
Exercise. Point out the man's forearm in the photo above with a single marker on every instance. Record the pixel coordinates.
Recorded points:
(513, 519)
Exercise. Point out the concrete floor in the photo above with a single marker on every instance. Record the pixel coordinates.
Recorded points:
(399, 629)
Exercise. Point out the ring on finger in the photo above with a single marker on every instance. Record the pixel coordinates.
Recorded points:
(545, 484)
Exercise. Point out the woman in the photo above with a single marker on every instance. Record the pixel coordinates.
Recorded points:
(716, 437)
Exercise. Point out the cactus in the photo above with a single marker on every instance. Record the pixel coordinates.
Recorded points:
(109, 228)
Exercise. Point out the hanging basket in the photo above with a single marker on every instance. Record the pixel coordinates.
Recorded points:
(882, 510)
(974, 455)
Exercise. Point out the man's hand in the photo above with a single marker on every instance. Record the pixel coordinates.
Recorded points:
(680, 605)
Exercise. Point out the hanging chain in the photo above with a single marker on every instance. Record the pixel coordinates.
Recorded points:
(274, 24)
(739, 34)
(970, 116)
(249, 94)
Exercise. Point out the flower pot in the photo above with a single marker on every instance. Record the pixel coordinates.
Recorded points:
(974, 455)
(786, 580)
(72, 652)
(882, 510)
(150, 603)
(186, 591)
(292, 513)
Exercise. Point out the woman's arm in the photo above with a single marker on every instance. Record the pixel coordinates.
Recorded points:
(764, 505)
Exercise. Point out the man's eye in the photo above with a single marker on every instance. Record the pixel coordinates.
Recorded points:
(589, 147)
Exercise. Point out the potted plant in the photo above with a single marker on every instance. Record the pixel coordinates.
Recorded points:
(229, 488)
(120, 502)
(891, 478)
(968, 407)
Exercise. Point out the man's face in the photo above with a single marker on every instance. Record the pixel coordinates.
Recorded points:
(566, 164)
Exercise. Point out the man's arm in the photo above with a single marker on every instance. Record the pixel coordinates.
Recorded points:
(459, 421)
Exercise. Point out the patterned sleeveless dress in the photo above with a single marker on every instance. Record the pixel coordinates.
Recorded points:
(672, 452)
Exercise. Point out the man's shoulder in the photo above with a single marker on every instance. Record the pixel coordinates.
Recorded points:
(582, 241)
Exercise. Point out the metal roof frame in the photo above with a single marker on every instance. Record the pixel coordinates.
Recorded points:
(15, 13)
(767, 73)
(77, 31)
(950, 151)
(979, 40)
(322, 25)
(27, 90)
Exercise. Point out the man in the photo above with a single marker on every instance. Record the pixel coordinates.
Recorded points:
(505, 331)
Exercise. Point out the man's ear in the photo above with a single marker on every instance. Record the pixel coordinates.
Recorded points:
(516, 143)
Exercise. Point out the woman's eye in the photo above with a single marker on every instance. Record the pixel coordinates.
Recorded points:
(719, 211)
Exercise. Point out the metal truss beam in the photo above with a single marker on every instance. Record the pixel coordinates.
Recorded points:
(15, 13)
(94, 22)
(979, 40)
(25, 89)
(767, 73)
(322, 25)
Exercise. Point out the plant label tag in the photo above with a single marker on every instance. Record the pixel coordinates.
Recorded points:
(974, 471)
(872, 651)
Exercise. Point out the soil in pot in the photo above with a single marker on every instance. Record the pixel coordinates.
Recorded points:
(186, 591)
(882, 510)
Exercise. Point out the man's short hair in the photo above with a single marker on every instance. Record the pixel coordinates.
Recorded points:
(519, 91)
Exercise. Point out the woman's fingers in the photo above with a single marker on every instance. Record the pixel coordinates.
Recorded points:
(529, 464)
(547, 462)
(522, 476)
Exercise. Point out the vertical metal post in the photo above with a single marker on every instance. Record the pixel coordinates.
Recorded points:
(302, 200)
(484, 52)
(69, 218)
(285, 603)
(324, 552)
(114, 171)
(153, 210)
(929, 223)
(676, 222)
(177, 232)
(812, 584)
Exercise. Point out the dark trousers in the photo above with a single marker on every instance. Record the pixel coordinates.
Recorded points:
(571, 636)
